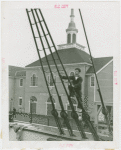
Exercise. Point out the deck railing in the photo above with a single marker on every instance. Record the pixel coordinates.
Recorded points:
(43, 119)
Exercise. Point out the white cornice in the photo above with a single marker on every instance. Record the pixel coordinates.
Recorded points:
(14, 77)
(59, 65)
(11, 77)
(54, 94)
(17, 77)
(71, 45)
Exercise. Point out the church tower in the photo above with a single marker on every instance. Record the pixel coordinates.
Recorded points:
(71, 31)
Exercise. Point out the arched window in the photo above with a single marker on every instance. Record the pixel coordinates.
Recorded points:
(50, 79)
(20, 101)
(74, 38)
(92, 81)
(69, 38)
(33, 99)
(34, 80)
(49, 106)
(21, 82)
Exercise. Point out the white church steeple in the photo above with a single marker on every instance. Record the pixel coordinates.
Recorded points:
(71, 35)
(71, 31)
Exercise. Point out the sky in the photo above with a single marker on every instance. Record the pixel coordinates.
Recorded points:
(101, 21)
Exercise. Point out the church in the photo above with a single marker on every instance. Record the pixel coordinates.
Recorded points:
(28, 82)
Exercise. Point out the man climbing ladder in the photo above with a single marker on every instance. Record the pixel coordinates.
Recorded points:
(76, 86)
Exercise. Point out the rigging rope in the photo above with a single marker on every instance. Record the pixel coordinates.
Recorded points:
(63, 113)
(71, 104)
(104, 110)
(54, 111)
(74, 114)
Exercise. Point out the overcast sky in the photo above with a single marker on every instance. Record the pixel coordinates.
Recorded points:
(101, 21)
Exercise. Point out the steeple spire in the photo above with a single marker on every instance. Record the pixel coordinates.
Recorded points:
(72, 15)
(71, 31)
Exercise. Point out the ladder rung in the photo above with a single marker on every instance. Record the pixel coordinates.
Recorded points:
(42, 36)
(46, 71)
(40, 21)
(29, 11)
(39, 50)
(45, 35)
(49, 47)
(36, 22)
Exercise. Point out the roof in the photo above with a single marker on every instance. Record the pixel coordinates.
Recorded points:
(14, 69)
(99, 63)
(68, 56)
(72, 27)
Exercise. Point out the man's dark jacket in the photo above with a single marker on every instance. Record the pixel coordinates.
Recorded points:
(76, 82)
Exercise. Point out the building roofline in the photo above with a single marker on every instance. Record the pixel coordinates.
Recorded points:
(104, 66)
(19, 77)
(71, 44)
(59, 65)
(101, 68)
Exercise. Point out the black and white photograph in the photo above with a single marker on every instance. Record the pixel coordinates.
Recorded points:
(61, 61)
